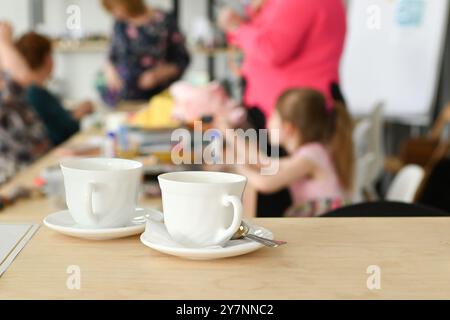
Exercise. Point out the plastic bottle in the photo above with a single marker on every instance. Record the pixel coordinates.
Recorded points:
(109, 147)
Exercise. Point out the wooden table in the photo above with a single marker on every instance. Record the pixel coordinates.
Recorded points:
(325, 259)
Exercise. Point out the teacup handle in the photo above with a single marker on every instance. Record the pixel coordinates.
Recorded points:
(237, 218)
(89, 203)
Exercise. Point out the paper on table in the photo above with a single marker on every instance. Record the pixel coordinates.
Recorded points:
(13, 238)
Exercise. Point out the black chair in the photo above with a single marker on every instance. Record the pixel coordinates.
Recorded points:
(385, 210)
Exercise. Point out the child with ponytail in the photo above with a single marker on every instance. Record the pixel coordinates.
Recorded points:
(318, 138)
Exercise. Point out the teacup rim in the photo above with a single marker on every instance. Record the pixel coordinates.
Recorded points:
(165, 177)
(65, 164)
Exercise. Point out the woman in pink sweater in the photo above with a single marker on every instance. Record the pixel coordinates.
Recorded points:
(287, 44)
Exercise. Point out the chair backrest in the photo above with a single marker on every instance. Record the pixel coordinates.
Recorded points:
(369, 152)
(376, 143)
(406, 184)
(362, 165)
(363, 159)
(360, 137)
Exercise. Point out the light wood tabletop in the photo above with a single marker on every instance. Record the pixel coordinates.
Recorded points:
(324, 259)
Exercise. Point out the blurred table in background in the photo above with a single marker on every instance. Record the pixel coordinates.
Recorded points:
(26, 179)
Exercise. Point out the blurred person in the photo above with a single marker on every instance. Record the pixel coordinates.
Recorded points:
(286, 44)
(147, 53)
(319, 167)
(23, 138)
(29, 63)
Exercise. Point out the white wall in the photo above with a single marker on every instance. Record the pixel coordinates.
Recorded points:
(17, 12)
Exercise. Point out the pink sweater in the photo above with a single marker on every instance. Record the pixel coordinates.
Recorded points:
(288, 44)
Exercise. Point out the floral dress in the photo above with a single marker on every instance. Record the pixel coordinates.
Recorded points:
(136, 49)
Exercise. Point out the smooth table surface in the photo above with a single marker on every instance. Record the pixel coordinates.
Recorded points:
(325, 259)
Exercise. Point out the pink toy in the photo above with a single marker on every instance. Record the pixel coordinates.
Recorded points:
(193, 103)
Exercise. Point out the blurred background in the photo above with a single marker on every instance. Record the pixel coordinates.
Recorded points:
(77, 64)
(395, 70)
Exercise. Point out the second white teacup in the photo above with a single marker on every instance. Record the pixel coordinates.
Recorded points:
(102, 193)
(202, 209)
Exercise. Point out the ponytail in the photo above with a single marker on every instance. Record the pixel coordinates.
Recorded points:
(341, 146)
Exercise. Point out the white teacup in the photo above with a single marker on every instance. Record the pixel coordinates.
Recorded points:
(202, 209)
(102, 193)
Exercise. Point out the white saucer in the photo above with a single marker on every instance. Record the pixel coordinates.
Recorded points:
(63, 222)
(157, 238)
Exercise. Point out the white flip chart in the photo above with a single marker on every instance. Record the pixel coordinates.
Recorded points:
(393, 55)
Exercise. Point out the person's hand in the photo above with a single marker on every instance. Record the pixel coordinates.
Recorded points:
(83, 109)
(6, 32)
(230, 119)
(229, 20)
(113, 79)
(148, 80)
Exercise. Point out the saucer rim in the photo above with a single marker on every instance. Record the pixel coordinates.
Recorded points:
(183, 252)
(94, 231)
